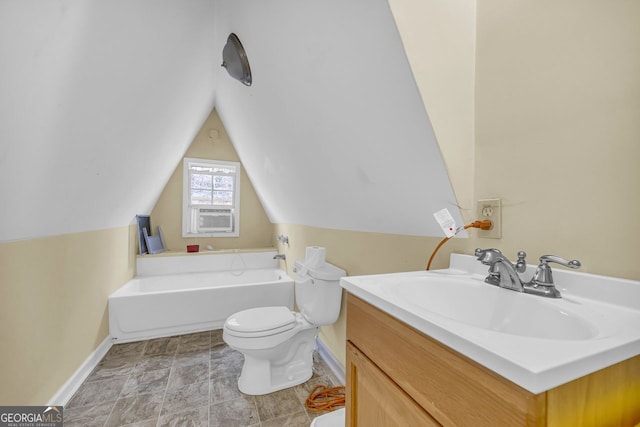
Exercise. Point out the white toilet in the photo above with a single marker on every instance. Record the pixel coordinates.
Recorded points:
(277, 343)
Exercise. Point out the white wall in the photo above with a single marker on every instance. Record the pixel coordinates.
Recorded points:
(333, 132)
(99, 101)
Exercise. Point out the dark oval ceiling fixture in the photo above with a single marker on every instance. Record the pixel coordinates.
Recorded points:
(235, 60)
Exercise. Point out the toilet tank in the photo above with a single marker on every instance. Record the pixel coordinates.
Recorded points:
(318, 292)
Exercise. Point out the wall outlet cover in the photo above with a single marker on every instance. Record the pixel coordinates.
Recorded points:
(490, 209)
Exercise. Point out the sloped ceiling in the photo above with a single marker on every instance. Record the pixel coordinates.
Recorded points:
(333, 131)
(99, 101)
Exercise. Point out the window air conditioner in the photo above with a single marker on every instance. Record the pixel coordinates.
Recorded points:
(214, 220)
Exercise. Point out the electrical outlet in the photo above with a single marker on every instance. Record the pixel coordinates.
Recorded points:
(490, 209)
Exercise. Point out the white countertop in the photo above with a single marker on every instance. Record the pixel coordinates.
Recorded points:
(611, 305)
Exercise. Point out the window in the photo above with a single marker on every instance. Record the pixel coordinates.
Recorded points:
(210, 198)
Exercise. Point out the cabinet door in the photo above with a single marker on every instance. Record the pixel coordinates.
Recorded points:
(373, 399)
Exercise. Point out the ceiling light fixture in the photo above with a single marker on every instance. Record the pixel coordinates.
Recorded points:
(235, 61)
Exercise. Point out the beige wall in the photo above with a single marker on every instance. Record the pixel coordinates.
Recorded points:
(555, 133)
(255, 227)
(53, 300)
(558, 128)
(555, 130)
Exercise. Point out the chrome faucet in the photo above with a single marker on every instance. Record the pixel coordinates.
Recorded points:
(280, 256)
(501, 272)
(504, 274)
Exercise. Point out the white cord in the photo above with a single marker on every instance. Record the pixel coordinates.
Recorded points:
(244, 265)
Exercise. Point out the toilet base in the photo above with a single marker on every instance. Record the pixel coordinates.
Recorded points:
(258, 379)
(263, 375)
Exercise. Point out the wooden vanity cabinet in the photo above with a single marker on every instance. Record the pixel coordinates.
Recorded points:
(397, 376)
(377, 399)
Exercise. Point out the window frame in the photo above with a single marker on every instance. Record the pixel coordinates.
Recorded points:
(187, 165)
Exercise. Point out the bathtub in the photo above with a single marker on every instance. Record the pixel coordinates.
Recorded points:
(179, 294)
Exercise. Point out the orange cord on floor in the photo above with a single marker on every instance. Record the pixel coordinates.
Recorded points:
(483, 225)
(323, 398)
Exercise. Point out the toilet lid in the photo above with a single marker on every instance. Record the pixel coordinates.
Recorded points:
(261, 321)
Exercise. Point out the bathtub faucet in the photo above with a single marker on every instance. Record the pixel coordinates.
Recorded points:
(280, 256)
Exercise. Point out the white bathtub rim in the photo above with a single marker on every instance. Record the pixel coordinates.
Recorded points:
(126, 291)
(150, 265)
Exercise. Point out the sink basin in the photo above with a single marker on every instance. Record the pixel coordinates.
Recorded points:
(475, 303)
(536, 342)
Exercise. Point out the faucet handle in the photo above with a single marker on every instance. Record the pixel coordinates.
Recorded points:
(543, 276)
(521, 265)
(574, 263)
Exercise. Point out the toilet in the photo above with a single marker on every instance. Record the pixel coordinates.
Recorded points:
(278, 343)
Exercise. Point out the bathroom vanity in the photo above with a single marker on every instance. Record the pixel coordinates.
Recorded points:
(409, 367)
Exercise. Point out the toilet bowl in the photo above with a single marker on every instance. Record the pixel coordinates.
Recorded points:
(274, 356)
(278, 343)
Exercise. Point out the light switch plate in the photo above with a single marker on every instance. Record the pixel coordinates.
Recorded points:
(490, 209)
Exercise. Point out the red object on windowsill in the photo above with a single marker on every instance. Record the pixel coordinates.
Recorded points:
(193, 248)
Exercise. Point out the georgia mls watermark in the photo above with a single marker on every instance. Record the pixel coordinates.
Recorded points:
(31, 416)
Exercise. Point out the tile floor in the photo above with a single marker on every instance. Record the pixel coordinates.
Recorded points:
(186, 380)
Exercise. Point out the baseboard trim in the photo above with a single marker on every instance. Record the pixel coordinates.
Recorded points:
(65, 393)
(332, 362)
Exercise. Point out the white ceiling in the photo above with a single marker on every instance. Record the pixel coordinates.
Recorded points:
(333, 131)
(99, 101)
